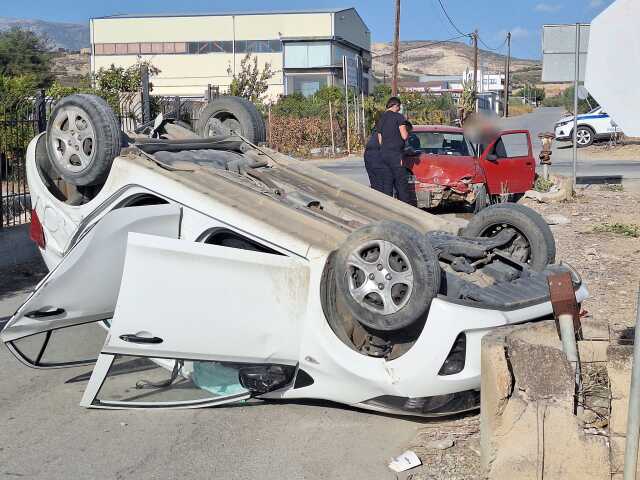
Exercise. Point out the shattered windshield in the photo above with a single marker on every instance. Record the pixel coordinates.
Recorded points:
(442, 143)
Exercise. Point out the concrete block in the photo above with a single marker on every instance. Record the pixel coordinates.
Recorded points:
(619, 361)
(528, 429)
(591, 351)
(496, 387)
(618, 444)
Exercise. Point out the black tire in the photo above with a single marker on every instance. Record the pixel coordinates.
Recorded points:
(408, 251)
(235, 112)
(82, 154)
(534, 244)
(587, 133)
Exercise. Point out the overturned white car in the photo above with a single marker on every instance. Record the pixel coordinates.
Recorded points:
(203, 271)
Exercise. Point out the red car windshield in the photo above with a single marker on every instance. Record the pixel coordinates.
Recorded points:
(440, 143)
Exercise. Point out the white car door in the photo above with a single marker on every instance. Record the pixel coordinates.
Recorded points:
(220, 319)
(82, 290)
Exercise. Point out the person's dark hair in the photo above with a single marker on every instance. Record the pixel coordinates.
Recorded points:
(409, 125)
(393, 101)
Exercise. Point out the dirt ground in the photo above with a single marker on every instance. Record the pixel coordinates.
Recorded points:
(626, 149)
(609, 264)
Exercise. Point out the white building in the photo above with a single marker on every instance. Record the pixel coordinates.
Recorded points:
(304, 48)
(487, 82)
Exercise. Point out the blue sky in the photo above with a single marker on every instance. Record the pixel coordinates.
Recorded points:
(421, 19)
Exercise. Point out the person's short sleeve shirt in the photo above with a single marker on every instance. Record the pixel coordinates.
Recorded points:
(389, 127)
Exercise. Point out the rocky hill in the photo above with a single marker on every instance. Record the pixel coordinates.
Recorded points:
(70, 36)
(421, 57)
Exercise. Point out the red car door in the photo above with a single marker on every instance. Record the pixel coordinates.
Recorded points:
(508, 163)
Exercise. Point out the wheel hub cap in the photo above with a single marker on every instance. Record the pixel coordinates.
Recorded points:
(380, 277)
(72, 137)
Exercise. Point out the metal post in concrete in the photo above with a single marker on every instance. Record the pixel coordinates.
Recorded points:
(633, 416)
(570, 348)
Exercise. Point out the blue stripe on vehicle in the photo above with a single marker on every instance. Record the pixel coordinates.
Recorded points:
(587, 117)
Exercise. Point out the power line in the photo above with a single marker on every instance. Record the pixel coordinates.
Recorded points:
(444, 10)
(490, 48)
(431, 44)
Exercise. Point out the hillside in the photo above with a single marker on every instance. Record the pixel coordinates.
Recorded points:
(70, 36)
(447, 58)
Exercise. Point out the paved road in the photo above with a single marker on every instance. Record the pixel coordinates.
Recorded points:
(44, 434)
(541, 120)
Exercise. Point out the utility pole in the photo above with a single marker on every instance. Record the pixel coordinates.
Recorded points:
(475, 70)
(396, 52)
(506, 76)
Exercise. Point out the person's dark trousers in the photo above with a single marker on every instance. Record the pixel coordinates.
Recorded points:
(380, 176)
(399, 177)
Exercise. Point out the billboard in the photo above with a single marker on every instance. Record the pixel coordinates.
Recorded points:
(559, 52)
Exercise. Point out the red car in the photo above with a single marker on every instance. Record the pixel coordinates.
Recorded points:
(448, 168)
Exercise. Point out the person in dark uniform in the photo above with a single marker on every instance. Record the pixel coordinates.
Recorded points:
(376, 170)
(392, 134)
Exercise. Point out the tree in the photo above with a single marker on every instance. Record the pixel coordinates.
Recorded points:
(536, 94)
(22, 52)
(251, 83)
(584, 106)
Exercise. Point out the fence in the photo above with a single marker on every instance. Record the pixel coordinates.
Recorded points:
(21, 119)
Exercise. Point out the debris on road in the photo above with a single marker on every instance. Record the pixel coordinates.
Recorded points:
(557, 219)
(441, 444)
(404, 462)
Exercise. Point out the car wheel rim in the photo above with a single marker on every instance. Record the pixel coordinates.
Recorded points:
(583, 137)
(380, 277)
(73, 139)
(518, 248)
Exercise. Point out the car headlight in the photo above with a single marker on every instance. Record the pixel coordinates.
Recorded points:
(562, 124)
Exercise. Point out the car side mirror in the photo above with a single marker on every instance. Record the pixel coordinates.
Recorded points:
(492, 157)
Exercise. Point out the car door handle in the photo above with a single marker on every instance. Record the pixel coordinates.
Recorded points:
(130, 337)
(45, 313)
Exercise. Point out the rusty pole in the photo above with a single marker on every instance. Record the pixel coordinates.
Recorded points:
(396, 52)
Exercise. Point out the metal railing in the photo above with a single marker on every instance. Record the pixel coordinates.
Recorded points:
(21, 119)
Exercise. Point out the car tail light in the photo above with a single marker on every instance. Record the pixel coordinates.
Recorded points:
(36, 232)
(456, 358)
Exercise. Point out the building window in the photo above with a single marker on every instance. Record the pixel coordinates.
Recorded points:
(170, 48)
(307, 55)
(258, 46)
(339, 52)
(305, 84)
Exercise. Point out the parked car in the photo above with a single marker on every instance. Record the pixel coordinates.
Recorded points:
(447, 168)
(592, 126)
(205, 271)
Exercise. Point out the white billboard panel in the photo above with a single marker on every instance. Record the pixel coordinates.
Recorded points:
(559, 52)
(613, 69)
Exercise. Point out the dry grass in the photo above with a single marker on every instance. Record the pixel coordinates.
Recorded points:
(517, 109)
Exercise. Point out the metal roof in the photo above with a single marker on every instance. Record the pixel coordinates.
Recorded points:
(223, 14)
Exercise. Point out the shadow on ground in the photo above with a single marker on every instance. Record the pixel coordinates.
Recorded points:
(16, 279)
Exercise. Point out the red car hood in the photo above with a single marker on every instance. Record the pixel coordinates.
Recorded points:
(443, 170)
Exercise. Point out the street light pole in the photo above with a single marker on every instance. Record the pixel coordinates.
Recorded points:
(396, 52)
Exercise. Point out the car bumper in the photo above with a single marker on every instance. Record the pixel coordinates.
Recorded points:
(411, 384)
(563, 133)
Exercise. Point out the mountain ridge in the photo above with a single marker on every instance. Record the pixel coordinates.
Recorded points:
(66, 35)
(433, 57)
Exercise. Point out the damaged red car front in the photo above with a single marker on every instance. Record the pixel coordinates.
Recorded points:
(446, 167)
